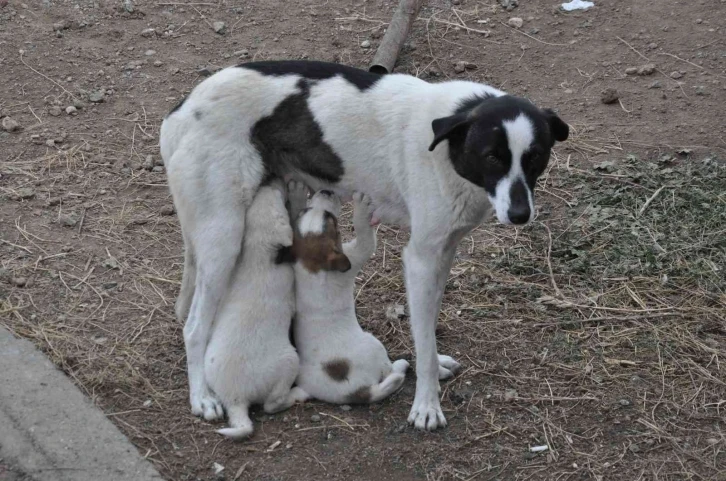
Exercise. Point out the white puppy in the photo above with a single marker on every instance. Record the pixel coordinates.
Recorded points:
(339, 362)
(249, 359)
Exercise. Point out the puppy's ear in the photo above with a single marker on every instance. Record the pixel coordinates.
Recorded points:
(337, 261)
(445, 127)
(285, 255)
(560, 130)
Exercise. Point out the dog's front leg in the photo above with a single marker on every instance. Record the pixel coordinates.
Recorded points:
(426, 267)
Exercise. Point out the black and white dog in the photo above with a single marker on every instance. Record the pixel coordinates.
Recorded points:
(436, 157)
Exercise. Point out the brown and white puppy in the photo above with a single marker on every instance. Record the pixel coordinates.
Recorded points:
(339, 362)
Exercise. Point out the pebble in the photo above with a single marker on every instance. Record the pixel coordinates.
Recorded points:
(19, 281)
(700, 90)
(712, 441)
(10, 125)
(510, 395)
(395, 312)
(676, 75)
(158, 63)
(68, 220)
(148, 32)
(345, 407)
(634, 448)
(647, 69)
(624, 402)
(242, 53)
(515, 22)
(55, 111)
(150, 52)
(71, 110)
(50, 143)
(158, 169)
(655, 85)
(109, 285)
(460, 67)
(609, 96)
(97, 96)
(129, 6)
(631, 71)
(509, 5)
(365, 44)
(148, 163)
(315, 418)
(63, 25)
(219, 27)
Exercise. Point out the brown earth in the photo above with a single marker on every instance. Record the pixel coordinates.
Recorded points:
(91, 251)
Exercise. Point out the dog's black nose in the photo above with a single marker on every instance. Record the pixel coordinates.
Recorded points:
(326, 192)
(519, 214)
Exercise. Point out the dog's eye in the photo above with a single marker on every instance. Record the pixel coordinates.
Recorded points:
(493, 160)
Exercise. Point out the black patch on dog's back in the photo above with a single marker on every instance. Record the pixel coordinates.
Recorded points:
(337, 369)
(291, 139)
(315, 70)
(360, 396)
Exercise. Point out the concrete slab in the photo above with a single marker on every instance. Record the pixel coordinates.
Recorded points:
(50, 431)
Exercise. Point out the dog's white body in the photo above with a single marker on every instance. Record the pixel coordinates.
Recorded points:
(381, 135)
(339, 361)
(249, 359)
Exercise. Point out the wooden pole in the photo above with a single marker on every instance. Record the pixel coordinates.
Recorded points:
(395, 36)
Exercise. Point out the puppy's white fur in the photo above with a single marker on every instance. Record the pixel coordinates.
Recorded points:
(249, 359)
(339, 362)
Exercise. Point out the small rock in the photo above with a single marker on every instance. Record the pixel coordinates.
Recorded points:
(460, 67)
(510, 395)
(533, 31)
(97, 96)
(509, 5)
(150, 52)
(219, 27)
(242, 53)
(148, 32)
(63, 25)
(71, 110)
(345, 407)
(10, 125)
(631, 71)
(50, 143)
(676, 75)
(655, 85)
(395, 312)
(24, 193)
(634, 448)
(712, 441)
(456, 2)
(401, 428)
(609, 96)
(148, 163)
(515, 22)
(365, 44)
(55, 111)
(700, 90)
(206, 71)
(167, 210)
(647, 69)
(109, 285)
(68, 220)
(159, 161)
(147, 403)
(218, 468)
(158, 169)
(699, 21)
(158, 63)
(111, 263)
(315, 418)
(624, 402)
(19, 281)
(129, 6)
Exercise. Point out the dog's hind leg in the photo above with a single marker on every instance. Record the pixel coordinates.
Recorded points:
(189, 278)
(390, 383)
(240, 424)
(280, 403)
(282, 396)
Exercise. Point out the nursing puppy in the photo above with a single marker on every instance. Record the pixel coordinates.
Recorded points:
(436, 157)
(339, 362)
(249, 359)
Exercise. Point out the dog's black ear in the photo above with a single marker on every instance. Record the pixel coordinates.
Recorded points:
(285, 255)
(560, 130)
(444, 127)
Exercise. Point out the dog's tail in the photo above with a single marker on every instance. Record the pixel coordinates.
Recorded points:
(239, 421)
(391, 383)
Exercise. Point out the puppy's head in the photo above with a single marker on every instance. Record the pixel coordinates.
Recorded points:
(501, 144)
(267, 221)
(317, 245)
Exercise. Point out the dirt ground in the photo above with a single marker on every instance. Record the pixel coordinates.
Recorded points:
(597, 332)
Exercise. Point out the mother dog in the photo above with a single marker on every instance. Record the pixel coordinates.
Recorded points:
(436, 157)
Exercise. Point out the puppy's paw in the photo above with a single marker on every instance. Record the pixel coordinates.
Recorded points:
(448, 367)
(426, 412)
(400, 366)
(205, 405)
(297, 195)
(362, 209)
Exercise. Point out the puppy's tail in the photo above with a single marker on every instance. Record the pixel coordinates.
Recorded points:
(239, 421)
(391, 383)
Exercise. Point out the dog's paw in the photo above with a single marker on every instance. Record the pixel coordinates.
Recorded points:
(448, 367)
(362, 209)
(400, 366)
(426, 412)
(205, 405)
(297, 193)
